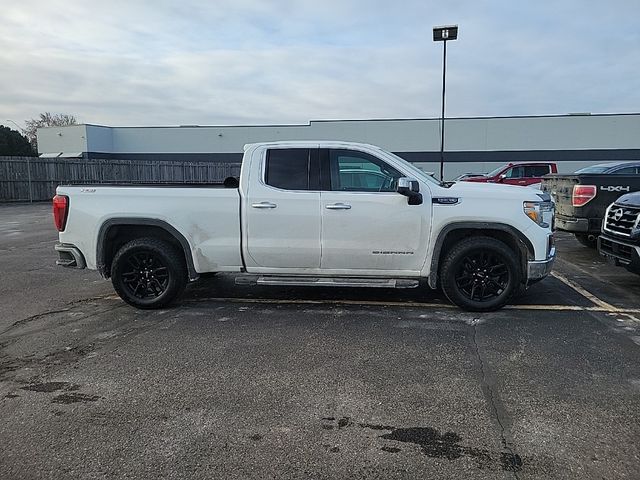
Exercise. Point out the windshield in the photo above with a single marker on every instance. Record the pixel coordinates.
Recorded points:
(495, 172)
(594, 169)
(415, 170)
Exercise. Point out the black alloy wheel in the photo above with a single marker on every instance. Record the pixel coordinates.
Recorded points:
(480, 273)
(149, 273)
(147, 277)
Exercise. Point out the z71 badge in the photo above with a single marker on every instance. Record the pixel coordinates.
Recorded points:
(614, 188)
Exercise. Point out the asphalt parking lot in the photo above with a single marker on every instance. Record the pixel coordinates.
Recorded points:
(245, 382)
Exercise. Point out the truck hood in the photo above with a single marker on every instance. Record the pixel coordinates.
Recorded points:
(632, 199)
(495, 191)
(476, 178)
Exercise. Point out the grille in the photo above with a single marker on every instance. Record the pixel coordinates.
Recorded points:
(622, 219)
(618, 250)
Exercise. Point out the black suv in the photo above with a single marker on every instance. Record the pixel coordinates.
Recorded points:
(620, 237)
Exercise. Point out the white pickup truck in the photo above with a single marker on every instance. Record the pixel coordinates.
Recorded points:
(311, 213)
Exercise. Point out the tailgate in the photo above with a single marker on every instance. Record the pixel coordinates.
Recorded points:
(560, 187)
(608, 189)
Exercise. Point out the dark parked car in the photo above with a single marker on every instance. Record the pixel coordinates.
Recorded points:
(620, 237)
(612, 168)
(582, 198)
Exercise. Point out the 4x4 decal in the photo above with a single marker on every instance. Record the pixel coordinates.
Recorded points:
(614, 188)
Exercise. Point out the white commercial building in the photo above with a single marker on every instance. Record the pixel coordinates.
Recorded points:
(471, 145)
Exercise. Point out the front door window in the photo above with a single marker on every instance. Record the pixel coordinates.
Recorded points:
(353, 171)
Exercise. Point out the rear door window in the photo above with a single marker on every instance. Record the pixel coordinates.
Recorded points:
(292, 168)
(535, 171)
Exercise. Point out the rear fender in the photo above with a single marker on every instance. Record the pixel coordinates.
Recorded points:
(102, 250)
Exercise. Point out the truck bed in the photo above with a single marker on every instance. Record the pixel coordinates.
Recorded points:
(148, 184)
(209, 216)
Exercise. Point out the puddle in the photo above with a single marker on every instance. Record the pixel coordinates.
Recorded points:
(434, 444)
(49, 387)
(70, 395)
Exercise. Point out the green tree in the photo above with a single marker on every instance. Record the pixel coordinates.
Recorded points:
(13, 143)
(46, 119)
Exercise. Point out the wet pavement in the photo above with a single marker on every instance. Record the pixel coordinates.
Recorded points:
(247, 382)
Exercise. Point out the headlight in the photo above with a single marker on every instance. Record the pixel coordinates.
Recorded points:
(539, 212)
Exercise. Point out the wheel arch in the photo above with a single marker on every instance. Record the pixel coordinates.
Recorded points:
(453, 232)
(115, 232)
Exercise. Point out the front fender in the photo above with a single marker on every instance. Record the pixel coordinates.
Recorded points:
(526, 247)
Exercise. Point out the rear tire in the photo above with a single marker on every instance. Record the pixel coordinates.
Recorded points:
(589, 240)
(480, 274)
(148, 273)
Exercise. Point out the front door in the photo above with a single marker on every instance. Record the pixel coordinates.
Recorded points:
(367, 227)
(514, 176)
(283, 212)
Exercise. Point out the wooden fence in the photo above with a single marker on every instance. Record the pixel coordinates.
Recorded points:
(35, 179)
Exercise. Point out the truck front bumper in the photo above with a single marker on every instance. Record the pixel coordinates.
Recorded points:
(69, 256)
(623, 252)
(538, 269)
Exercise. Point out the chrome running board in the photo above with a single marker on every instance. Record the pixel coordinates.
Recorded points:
(327, 281)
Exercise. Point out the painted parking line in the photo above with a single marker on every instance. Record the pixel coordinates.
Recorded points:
(374, 303)
(588, 295)
(599, 304)
(278, 301)
(622, 314)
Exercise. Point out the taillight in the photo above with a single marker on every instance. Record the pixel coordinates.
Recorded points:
(583, 194)
(60, 211)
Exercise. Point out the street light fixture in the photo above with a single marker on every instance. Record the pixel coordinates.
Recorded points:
(443, 34)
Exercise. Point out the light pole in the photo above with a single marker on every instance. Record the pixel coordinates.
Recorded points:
(443, 34)
(22, 130)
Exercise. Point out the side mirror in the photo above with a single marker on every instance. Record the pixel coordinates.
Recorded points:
(502, 177)
(410, 188)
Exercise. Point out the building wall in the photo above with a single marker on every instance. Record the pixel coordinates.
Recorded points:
(67, 140)
(472, 144)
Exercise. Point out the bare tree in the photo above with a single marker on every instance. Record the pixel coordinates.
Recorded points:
(46, 119)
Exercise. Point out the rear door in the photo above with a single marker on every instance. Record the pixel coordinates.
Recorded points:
(283, 211)
(367, 227)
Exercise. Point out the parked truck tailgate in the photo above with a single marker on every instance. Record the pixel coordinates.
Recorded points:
(587, 217)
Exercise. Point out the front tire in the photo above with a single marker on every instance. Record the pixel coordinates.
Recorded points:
(480, 274)
(148, 273)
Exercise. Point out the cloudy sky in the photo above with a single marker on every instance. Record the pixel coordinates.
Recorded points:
(166, 62)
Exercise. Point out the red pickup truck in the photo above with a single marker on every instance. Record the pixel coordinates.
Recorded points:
(524, 174)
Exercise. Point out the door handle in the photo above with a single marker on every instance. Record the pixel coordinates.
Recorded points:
(338, 206)
(264, 205)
